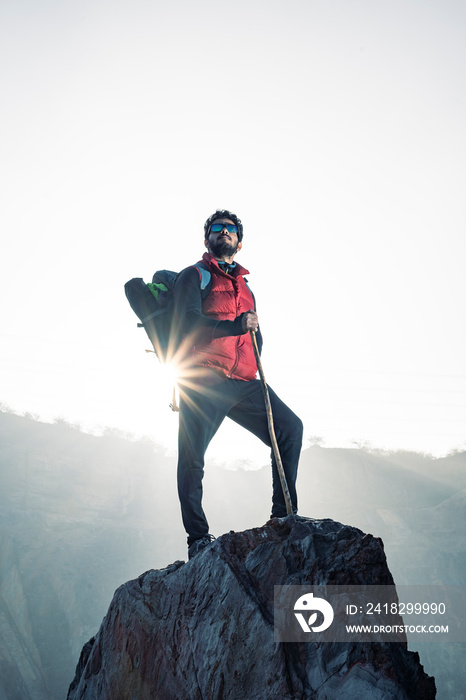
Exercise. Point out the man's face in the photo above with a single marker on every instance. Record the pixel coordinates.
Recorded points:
(223, 243)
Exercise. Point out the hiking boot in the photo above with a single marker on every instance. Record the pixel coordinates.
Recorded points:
(200, 544)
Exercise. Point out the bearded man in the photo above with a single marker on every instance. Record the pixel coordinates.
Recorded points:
(216, 311)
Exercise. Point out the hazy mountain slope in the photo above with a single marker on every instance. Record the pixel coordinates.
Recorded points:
(80, 515)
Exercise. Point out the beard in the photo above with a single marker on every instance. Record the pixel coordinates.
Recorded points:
(222, 248)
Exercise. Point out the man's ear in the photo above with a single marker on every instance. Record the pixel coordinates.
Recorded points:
(206, 243)
(240, 245)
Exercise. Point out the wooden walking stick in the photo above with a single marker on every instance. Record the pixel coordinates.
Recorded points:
(268, 406)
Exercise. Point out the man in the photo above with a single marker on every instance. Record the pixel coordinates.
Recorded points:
(221, 380)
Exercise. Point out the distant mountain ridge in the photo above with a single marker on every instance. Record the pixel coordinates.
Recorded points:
(81, 514)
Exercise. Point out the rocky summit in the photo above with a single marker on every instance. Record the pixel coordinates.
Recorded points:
(205, 629)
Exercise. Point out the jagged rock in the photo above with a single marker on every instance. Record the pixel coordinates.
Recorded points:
(204, 629)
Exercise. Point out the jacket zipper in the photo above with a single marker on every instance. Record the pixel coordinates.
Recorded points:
(235, 365)
(236, 362)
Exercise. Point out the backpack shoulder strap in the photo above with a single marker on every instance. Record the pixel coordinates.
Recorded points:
(205, 278)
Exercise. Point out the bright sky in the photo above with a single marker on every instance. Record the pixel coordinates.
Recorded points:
(333, 128)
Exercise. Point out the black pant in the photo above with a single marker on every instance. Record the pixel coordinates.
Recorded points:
(204, 403)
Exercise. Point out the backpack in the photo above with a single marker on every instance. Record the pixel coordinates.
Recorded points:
(153, 303)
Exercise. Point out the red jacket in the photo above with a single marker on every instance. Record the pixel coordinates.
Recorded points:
(228, 298)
